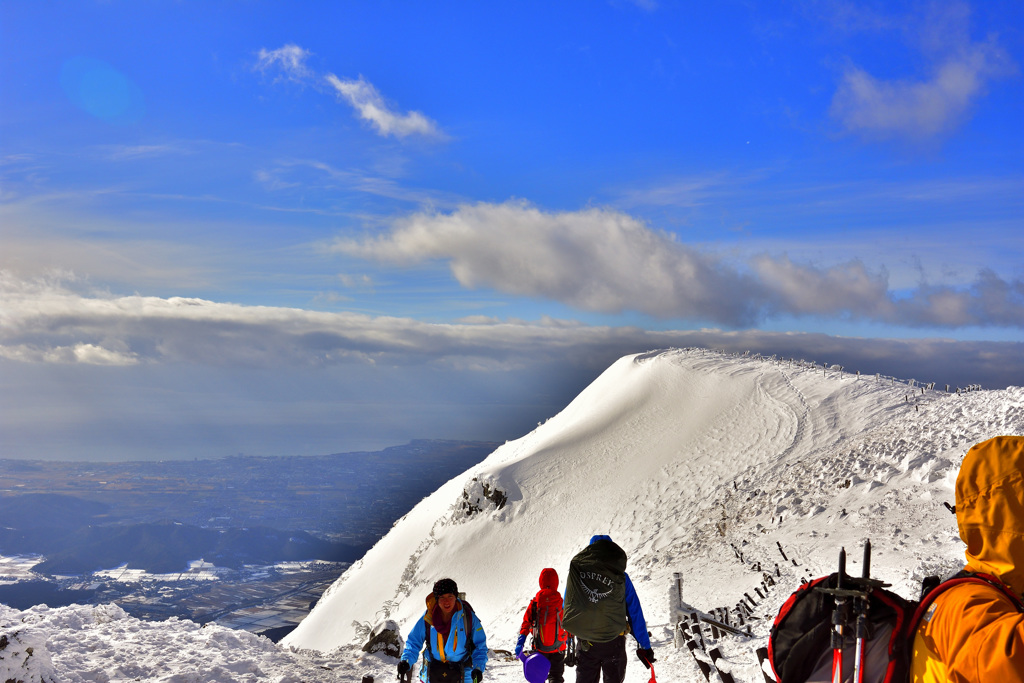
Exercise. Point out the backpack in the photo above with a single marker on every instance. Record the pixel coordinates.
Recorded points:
(547, 632)
(803, 644)
(595, 593)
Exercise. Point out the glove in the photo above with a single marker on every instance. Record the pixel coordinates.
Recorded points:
(646, 655)
(519, 644)
(477, 675)
(403, 667)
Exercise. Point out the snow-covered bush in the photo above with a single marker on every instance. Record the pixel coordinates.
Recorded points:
(24, 657)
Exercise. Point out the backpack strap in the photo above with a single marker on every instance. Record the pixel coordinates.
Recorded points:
(964, 576)
(467, 615)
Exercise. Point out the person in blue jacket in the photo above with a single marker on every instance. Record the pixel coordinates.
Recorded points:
(456, 646)
(601, 607)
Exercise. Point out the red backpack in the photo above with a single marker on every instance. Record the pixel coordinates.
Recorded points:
(548, 635)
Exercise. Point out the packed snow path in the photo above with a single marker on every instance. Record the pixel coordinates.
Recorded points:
(697, 463)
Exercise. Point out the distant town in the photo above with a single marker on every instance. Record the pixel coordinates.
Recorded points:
(248, 542)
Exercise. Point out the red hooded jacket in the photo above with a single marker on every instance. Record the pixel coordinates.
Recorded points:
(543, 618)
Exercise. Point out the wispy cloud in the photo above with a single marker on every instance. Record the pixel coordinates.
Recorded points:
(314, 173)
(132, 152)
(607, 261)
(288, 61)
(677, 192)
(960, 71)
(289, 64)
(371, 107)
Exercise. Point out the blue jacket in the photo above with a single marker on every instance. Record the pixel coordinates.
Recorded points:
(454, 649)
(637, 623)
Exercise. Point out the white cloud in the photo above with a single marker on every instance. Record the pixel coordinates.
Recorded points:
(919, 109)
(804, 290)
(595, 259)
(371, 107)
(604, 260)
(84, 354)
(290, 60)
(44, 322)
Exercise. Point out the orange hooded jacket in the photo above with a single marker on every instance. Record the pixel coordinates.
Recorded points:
(973, 633)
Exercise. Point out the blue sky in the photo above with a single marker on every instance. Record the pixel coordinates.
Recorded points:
(281, 228)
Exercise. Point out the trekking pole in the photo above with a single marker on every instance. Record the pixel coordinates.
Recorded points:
(862, 618)
(838, 619)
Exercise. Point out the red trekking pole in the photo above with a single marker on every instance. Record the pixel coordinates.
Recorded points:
(839, 621)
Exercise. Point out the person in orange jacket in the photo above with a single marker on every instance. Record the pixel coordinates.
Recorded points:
(543, 620)
(974, 632)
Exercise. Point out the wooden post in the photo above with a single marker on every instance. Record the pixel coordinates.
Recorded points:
(726, 677)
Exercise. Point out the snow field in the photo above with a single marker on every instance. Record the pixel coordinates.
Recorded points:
(697, 463)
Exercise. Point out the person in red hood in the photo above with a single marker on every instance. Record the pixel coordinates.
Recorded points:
(543, 620)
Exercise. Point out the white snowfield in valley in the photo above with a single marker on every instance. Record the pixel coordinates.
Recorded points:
(695, 462)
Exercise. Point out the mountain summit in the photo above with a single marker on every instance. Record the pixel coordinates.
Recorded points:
(696, 463)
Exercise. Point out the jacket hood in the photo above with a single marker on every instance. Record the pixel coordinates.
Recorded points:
(549, 578)
(990, 509)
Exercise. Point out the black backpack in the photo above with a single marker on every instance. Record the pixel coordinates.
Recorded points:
(595, 593)
(805, 642)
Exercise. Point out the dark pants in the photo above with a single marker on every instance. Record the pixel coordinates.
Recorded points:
(609, 658)
(557, 660)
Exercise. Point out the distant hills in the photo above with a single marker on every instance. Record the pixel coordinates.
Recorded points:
(37, 511)
(63, 529)
(168, 547)
(159, 516)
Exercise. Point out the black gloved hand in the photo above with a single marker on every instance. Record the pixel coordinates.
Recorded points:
(646, 655)
(403, 667)
(477, 675)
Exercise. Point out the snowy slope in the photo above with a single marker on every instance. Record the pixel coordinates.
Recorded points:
(687, 458)
(679, 456)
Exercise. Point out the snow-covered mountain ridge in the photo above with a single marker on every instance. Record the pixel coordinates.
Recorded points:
(693, 461)
(682, 456)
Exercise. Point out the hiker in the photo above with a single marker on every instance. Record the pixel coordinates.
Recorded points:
(455, 640)
(601, 607)
(543, 619)
(973, 631)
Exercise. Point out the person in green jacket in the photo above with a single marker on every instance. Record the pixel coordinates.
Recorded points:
(601, 607)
